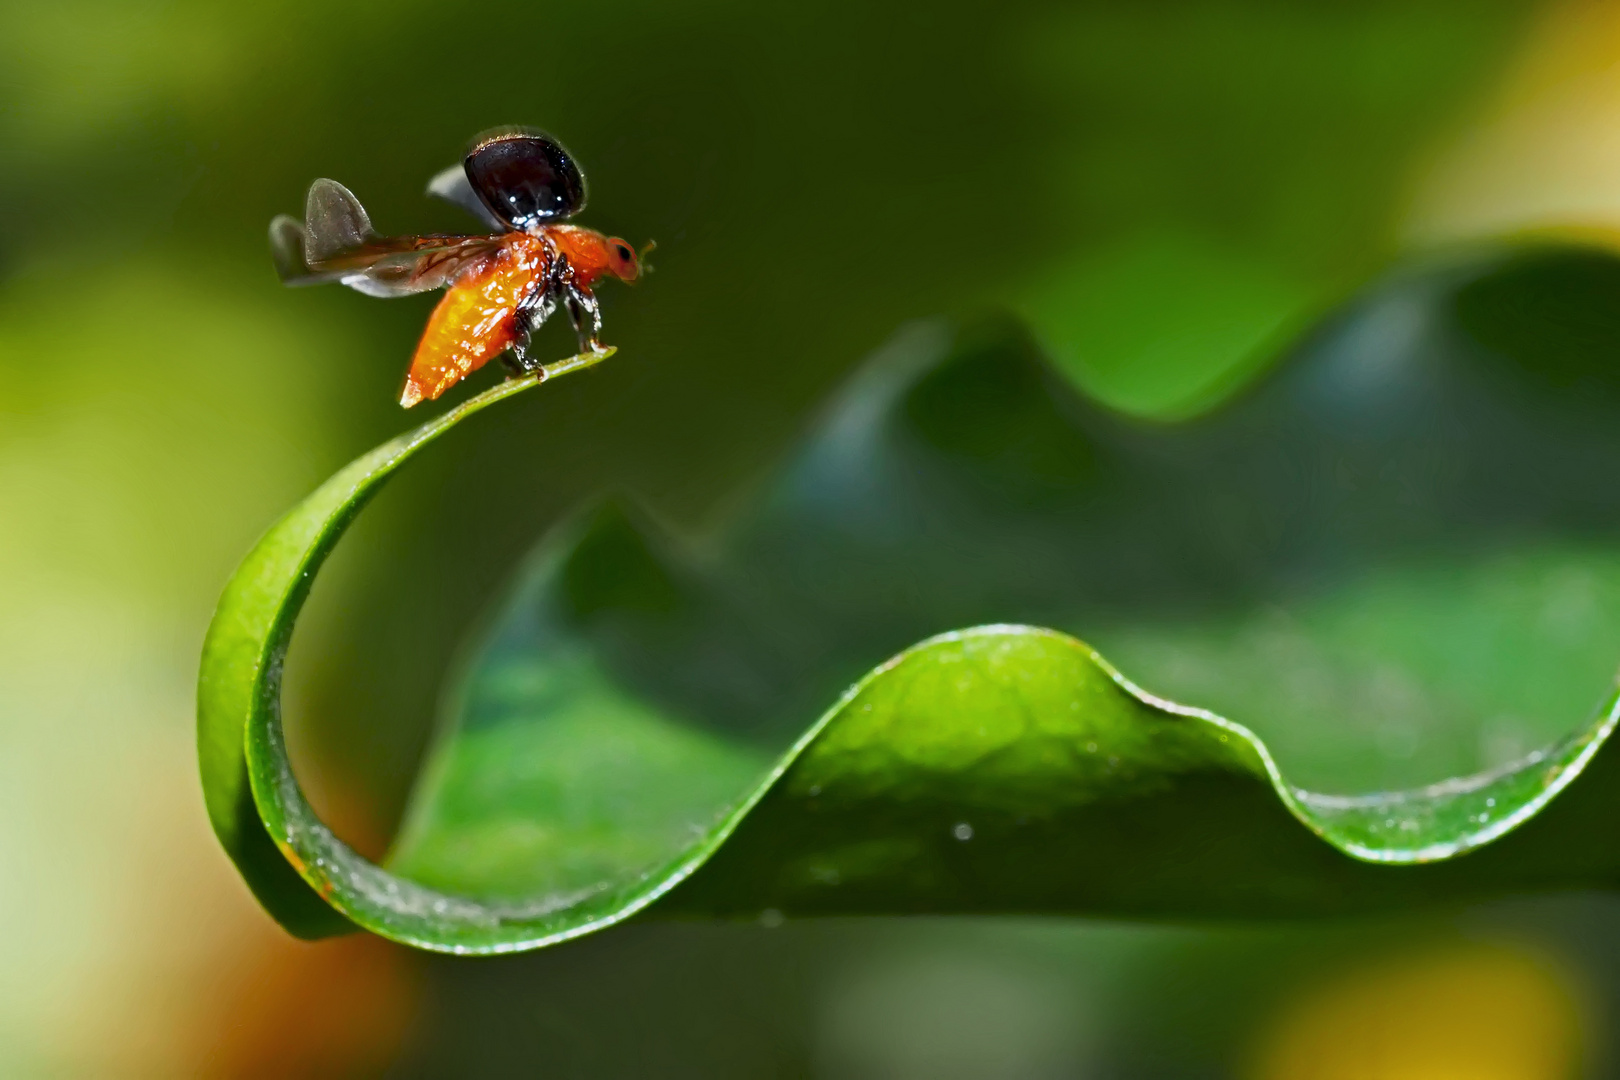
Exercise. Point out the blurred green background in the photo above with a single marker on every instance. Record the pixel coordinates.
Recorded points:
(1169, 193)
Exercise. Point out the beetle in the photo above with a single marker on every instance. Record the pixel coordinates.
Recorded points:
(500, 287)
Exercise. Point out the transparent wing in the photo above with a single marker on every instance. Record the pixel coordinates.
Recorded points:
(336, 242)
(453, 186)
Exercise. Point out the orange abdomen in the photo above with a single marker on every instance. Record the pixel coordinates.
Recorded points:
(476, 320)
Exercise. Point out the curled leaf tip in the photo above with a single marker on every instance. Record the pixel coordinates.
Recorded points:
(252, 799)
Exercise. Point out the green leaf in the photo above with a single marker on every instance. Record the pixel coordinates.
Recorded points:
(630, 730)
(253, 800)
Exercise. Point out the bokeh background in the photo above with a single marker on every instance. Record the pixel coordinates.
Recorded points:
(1170, 193)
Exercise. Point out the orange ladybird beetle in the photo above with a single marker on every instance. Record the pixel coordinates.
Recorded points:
(500, 287)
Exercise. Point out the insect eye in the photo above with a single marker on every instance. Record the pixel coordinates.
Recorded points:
(624, 253)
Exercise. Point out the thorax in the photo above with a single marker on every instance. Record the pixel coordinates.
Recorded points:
(585, 249)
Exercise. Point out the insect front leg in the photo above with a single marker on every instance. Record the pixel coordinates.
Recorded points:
(583, 310)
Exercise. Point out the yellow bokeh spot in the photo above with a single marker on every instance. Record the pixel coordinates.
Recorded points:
(1544, 156)
(1480, 1013)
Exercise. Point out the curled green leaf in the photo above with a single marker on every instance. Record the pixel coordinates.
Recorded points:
(615, 743)
(254, 802)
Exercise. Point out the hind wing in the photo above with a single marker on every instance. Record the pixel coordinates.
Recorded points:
(453, 186)
(336, 242)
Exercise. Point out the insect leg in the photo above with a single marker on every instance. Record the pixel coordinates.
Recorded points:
(531, 313)
(582, 306)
